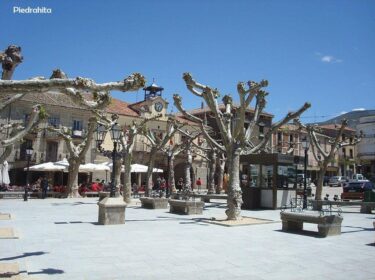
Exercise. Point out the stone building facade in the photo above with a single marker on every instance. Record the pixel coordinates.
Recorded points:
(47, 146)
(366, 148)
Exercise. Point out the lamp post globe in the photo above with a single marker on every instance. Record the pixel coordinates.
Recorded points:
(101, 132)
(29, 153)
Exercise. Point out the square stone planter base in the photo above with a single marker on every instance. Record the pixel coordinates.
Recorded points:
(154, 202)
(111, 211)
(186, 207)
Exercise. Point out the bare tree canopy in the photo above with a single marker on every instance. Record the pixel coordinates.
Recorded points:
(235, 136)
(322, 156)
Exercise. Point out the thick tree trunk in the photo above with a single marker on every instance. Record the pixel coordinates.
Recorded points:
(149, 182)
(319, 187)
(211, 175)
(127, 188)
(187, 170)
(171, 181)
(234, 190)
(73, 177)
(220, 175)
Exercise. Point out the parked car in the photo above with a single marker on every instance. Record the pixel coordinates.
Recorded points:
(336, 181)
(356, 190)
(358, 177)
(358, 186)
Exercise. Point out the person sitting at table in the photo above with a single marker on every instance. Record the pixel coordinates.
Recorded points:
(82, 189)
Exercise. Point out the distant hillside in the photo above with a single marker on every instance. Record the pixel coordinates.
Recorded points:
(352, 117)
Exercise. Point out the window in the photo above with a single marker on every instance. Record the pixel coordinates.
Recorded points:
(77, 125)
(344, 152)
(25, 145)
(291, 138)
(54, 121)
(261, 129)
(279, 139)
(351, 153)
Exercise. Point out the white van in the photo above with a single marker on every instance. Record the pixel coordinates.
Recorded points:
(358, 178)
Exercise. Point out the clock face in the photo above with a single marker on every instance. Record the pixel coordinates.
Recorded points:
(158, 106)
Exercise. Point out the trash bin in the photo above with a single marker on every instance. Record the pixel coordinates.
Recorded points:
(369, 196)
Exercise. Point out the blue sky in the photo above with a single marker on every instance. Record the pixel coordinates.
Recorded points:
(316, 51)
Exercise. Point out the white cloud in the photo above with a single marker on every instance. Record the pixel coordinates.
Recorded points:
(328, 58)
(358, 109)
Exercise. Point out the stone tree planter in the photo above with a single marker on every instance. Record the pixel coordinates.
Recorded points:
(154, 202)
(111, 211)
(187, 207)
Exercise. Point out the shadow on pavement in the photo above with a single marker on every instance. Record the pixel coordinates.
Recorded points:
(359, 229)
(308, 233)
(47, 271)
(24, 255)
(72, 203)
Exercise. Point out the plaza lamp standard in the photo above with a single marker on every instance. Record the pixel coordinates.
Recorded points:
(305, 145)
(29, 153)
(115, 131)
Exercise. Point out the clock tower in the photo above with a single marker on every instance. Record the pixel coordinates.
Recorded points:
(152, 91)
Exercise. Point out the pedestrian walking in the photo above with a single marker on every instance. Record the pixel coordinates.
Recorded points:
(199, 184)
(44, 186)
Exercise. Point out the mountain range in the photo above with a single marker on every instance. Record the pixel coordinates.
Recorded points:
(352, 117)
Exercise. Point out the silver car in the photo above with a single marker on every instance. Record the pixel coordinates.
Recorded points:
(336, 181)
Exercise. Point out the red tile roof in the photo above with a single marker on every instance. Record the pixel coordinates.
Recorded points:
(122, 108)
(335, 127)
(221, 107)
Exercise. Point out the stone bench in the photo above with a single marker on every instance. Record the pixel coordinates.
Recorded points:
(327, 225)
(12, 194)
(186, 207)
(208, 197)
(91, 194)
(49, 194)
(154, 202)
(366, 207)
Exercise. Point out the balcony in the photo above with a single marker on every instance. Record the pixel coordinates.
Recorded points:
(78, 133)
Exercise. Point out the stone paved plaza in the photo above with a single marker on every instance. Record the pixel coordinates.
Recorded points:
(60, 239)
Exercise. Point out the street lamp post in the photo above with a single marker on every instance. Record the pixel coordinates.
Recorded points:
(29, 152)
(115, 137)
(305, 145)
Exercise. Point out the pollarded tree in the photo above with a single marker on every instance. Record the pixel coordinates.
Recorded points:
(78, 90)
(14, 131)
(127, 141)
(157, 142)
(187, 146)
(236, 138)
(323, 157)
(220, 168)
(125, 150)
(172, 151)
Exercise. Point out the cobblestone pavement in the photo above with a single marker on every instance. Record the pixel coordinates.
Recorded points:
(59, 239)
